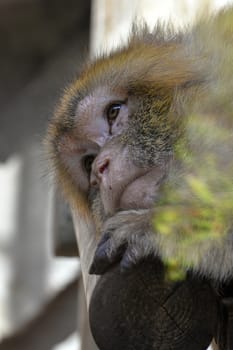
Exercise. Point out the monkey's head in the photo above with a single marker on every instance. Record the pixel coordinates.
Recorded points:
(133, 93)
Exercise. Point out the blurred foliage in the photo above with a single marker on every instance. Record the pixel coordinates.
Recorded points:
(196, 209)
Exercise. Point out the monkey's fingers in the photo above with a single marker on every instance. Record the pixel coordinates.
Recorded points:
(131, 258)
(138, 250)
(105, 255)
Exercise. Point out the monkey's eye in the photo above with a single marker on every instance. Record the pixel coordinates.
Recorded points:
(113, 111)
(87, 163)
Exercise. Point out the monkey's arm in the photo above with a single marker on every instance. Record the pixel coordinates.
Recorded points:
(129, 238)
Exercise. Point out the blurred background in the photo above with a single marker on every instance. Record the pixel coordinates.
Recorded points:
(42, 45)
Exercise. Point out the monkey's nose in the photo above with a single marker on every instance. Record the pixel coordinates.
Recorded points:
(98, 169)
(103, 166)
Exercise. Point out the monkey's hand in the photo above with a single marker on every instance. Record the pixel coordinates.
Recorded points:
(128, 238)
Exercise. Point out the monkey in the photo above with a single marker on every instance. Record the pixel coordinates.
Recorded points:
(140, 95)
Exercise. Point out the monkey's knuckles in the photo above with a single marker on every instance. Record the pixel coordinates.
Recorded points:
(108, 250)
(140, 247)
(106, 254)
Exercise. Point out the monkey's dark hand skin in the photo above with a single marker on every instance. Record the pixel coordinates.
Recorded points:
(141, 311)
(128, 238)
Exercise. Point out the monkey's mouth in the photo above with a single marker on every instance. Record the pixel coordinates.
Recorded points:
(136, 188)
(142, 191)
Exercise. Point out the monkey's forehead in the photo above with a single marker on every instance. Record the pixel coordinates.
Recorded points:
(136, 69)
(141, 67)
(100, 97)
(142, 71)
(164, 55)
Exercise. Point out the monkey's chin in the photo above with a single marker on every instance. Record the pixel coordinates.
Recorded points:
(142, 192)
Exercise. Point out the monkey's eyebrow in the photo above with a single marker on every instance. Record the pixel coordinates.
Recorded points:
(115, 101)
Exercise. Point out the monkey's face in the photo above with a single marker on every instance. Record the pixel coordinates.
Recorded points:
(127, 93)
(130, 169)
(97, 118)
